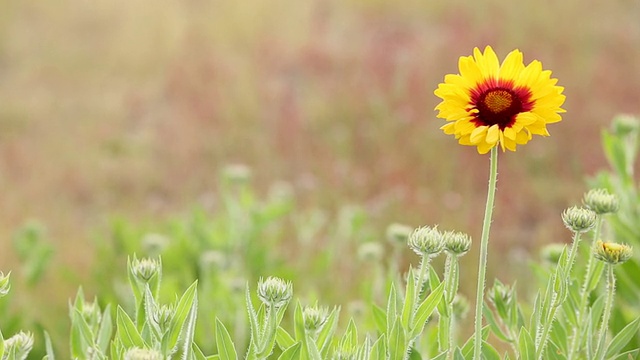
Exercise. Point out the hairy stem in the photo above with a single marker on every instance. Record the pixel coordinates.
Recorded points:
(484, 244)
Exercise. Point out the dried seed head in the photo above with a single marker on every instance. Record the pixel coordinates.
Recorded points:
(426, 241)
(456, 243)
(601, 201)
(274, 291)
(142, 354)
(579, 219)
(612, 253)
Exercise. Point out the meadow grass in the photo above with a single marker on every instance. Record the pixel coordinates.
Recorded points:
(112, 110)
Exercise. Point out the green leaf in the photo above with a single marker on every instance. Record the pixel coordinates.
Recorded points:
(397, 341)
(226, 349)
(426, 309)
(379, 349)
(493, 324)
(185, 304)
(283, 339)
(631, 354)
(325, 336)
(441, 356)
(409, 300)
(105, 331)
(526, 345)
(126, 330)
(380, 318)
(47, 342)
(392, 310)
(292, 352)
(622, 338)
(197, 353)
(414, 355)
(489, 352)
(457, 355)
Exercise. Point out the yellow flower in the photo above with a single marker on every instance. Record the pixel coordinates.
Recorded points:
(490, 103)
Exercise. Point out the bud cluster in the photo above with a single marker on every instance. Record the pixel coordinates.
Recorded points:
(145, 269)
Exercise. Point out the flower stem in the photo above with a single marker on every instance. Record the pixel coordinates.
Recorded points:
(576, 339)
(484, 244)
(611, 288)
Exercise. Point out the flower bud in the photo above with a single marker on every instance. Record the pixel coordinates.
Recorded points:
(163, 316)
(20, 344)
(5, 285)
(237, 173)
(578, 219)
(600, 201)
(625, 124)
(274, 291)
(370, 251)
(398, 233)
(552, 252)
(142, 354)
(426, 241)
(612, 253)
(145, 269)
(460, 307)
(314, 317)
(456, 243)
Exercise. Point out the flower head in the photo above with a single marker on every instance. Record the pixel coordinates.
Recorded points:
(314, 317)
(612, 253)
(489, 104)
(142, 354)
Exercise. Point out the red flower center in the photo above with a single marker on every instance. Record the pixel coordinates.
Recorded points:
(498, 102)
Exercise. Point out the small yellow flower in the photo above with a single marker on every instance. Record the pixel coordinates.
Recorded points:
(612, 253)
(490, 103)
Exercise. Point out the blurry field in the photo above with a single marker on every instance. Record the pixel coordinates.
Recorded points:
(133, 108)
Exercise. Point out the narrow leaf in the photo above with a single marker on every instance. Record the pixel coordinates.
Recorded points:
(226, 349)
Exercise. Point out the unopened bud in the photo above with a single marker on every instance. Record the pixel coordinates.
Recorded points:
(552, 252)
(426, 241)
(398, 233)
(145, 269)
(578, 219)
(20, 344)
(274, 291)
(601, 201)
(456, 243)
(314, 317)
(612, 253)
(370, 251)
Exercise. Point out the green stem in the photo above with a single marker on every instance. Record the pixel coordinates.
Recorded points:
(611, 288)
(445, 325)
(484, 244)
(554, 303)
(576, 339)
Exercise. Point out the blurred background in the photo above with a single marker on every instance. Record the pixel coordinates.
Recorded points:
(133, 109)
